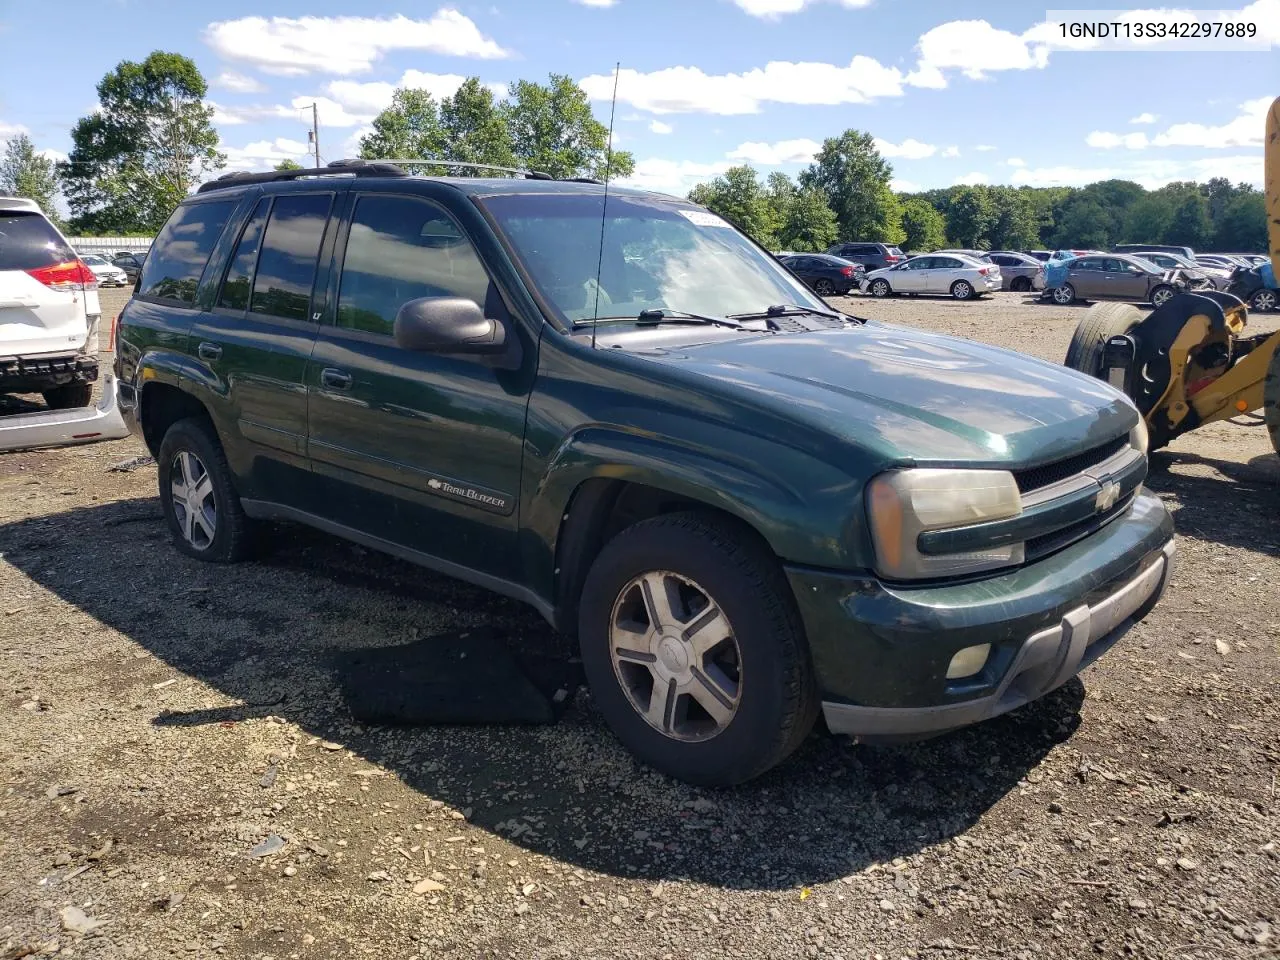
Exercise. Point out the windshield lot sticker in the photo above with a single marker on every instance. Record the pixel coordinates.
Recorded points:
(703, 219)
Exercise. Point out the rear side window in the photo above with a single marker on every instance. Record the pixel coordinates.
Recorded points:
(400, 249)
(946, 263)
(29, 242)
(235, 288)
(290, 251)
(172, 270)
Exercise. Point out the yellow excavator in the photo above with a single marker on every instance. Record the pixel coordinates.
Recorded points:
(1188, 362)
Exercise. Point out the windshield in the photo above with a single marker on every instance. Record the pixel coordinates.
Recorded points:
(656, 255)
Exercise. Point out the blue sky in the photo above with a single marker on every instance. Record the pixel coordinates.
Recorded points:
(976, 92)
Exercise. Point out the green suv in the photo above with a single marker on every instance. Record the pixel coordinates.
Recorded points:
(749, 507)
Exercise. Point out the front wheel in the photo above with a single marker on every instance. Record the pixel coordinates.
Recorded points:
(694, 651)
(824, 288)
(880, 287)
(1064, 295)
(962, 290)
(197, 496)
(1265, 300)
(1162, 295)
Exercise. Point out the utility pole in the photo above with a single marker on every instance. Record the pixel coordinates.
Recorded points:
(314, 134)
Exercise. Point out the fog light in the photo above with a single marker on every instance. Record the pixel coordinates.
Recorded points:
(968, 661)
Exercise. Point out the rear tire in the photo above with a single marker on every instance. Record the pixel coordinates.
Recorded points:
(1102, 322)
(962, 290)
(198, 497)
(69, 396)
(1265, 300)
(756, 656)
(824, 288)
(1020, 285)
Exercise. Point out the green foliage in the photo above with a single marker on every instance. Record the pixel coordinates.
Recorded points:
(1084, 224)
(1242, 223)
(1190, 225)
(853, 176)
(149, 144)
(409, 129)
(1148, 217)
(553, 130)
(288, 165)
(970, 216)
(474, 128)
(742, 199)
(809, 223)
(1016, 224)
(923, 225)
(24, 173)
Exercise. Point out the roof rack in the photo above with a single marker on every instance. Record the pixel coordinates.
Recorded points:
(359, 168)
(527, 174)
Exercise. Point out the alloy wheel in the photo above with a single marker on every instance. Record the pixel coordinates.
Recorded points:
(962, 290)
(880, 288)
(823, 288)
(1162, 296)
(1063, 295)
(1264, 300)
(675, 656)
(194, 505)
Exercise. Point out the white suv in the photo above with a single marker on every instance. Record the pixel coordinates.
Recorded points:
(49, 310)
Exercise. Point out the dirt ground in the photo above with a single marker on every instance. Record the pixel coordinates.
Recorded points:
(181, 778)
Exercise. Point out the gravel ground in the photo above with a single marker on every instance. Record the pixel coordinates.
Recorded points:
(180, 777)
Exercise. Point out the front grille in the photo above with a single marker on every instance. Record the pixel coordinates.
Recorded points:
(1041, 546)
(1034, 478)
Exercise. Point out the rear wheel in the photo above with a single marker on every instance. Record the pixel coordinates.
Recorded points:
(694, 651)
(69, 396)
(1064, 295)
(962, 290)
(1020, 285)
(198, 497)
(1162, 295)
(1264, 300)
(824, 288)
(880, 287)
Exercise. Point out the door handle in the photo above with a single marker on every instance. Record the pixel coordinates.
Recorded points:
(209, 351)
(335, 379)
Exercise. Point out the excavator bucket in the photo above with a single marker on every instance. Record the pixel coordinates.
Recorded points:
(1271, 180)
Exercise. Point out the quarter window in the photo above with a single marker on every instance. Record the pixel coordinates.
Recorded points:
(173, 268)
(236, 286)
(400, 249)
(290, 251)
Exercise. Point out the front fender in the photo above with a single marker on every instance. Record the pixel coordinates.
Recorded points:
(806, 510)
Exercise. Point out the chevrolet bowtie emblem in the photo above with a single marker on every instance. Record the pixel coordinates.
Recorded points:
(1107, 496)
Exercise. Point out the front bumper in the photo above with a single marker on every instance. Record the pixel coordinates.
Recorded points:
(881, 651)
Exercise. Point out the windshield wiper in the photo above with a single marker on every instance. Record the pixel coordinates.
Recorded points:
(786, 310)
(663, 315)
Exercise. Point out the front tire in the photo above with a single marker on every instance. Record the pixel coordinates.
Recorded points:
(69, 396)
(197, 495)
(962, 290)
(1265, 300)
(880, 287)
(1064, 295)
(694, 650)
(1162, 295)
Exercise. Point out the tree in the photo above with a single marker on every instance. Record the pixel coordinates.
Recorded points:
(287, 164)
(552, 129)
(408, 129)
(1190, 224)
(855, 180)
(1243, 223)
(1015, 226)
(25, 173)
(810, 224)
(1147, 221)
(923, 225)
(781, 191)
(740, 198)
(474, 129)
(150, 142)
(1083, 224)
(970, 216)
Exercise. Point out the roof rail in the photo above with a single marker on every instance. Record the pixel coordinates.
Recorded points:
(359, 168)
(527, 174)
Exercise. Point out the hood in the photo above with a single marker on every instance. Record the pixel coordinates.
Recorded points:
(914, 397)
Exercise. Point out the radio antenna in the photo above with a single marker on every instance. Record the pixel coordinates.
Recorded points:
(604, 207)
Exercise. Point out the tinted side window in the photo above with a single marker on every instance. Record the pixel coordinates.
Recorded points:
(1002, 261)
(290, 251)
(178, 256)
(235, 288)
(400, 249)
(947, 263)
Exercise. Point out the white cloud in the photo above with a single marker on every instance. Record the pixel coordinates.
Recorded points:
(676, 177)
(904, 186)
(597, 3)
(984, 148)
(972, 179)
(657, 126)
(344, 45)
(10, 130)
(1016, 162)
(773, 154)
(1150, 173)
(907, 150)
(951, 152)
(264, 153)
(777, 8)
(1145, 118)
(238, 82)
(975, 48)
(1245, 130)
(57, 156)
(690, 90)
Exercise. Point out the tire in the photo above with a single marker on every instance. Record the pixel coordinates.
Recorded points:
(880, 287)
(1271, 400)
(1102, 322)
(190, 454)
(824, 288)
(963, 290)
(69, 396)
(1020, 285)
(1162, 295)
(1064, 295)
(1265, 300)
(769, 697)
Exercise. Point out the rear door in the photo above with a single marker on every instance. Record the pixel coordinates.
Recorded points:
(46, 294)
(1086, 276)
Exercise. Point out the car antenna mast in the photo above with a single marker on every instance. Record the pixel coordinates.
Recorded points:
(604, 207)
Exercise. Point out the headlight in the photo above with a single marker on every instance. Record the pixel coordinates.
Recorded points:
(903, 504)
(1138, 436)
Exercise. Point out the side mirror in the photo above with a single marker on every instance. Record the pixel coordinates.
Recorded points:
(448, 325)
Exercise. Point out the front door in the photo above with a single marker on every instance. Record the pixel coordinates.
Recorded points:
(910, 277)
(1126, 281)
(418, 449)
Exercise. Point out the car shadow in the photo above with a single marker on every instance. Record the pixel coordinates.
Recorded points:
(265, 634)
(1196, 498)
